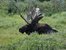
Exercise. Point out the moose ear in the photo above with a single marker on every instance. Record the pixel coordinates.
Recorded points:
(40, 15)
(36, 19)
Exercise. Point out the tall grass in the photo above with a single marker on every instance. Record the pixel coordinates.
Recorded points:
(12, 39)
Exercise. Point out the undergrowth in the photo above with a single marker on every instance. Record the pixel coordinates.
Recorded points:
(12, 39)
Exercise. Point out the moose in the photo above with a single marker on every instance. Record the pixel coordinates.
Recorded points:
(34, 25)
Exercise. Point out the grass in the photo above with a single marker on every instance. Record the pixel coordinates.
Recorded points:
(12, 39)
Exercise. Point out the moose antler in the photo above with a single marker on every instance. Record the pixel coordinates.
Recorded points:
(21, 15)
(33, 21)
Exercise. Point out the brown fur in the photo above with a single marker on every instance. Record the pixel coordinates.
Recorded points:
(40, 28)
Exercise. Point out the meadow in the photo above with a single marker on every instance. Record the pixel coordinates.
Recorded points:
(12, 39)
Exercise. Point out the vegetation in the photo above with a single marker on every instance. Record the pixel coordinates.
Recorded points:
(12, 39)
(48, 7)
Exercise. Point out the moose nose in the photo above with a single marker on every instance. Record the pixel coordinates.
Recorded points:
(20, 30)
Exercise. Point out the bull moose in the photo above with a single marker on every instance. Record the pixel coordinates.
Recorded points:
(35, 26)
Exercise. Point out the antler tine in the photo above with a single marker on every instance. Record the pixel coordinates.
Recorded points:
(21, 15)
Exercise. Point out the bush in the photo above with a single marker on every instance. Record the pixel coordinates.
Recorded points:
(47, 7)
